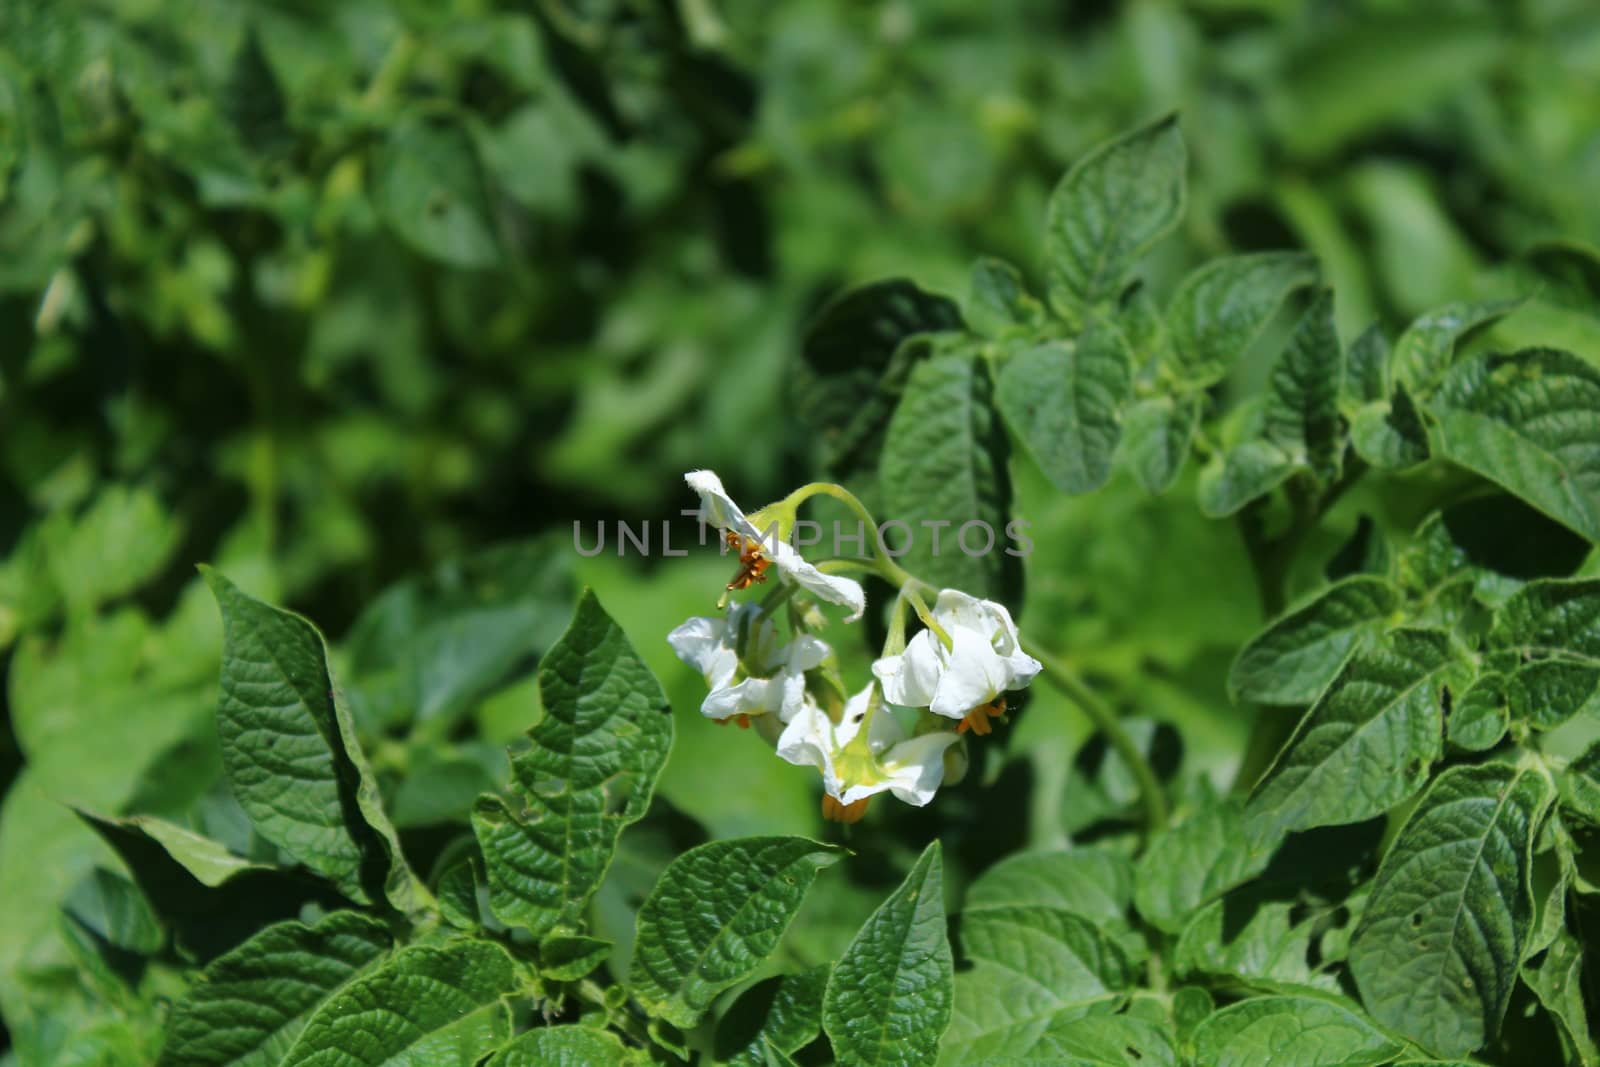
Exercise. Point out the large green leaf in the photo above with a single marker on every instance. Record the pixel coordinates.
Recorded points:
(1228, 940)
(1196, 860)
(1368, 742)
(1349, 82)
(432, 645)
(1294, 658)
(1090, 1041)
(1438, 947)
(888, 999)
(1308, 1032)
(715, 913)
(783, 1013)
(253, 1002)
(1427, 348)
(563, 1046)
(291, 753)
(1034, 968)
(997, 299)
(1221, 308)
(853, 365)
(943, 473)
(1557, 980)
(589, 771)
(1108, 210)
(1546, 636)
(1156, 435)
(1530, 422)
(1097, 883)
(430, 189)
(1064, 401)
(427, 1006)
(1302, 412)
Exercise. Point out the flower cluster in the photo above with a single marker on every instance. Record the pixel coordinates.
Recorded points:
(900, 733)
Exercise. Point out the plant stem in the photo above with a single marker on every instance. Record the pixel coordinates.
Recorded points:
(1151, 797)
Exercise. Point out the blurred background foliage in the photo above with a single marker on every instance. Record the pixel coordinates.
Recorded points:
(340, 296)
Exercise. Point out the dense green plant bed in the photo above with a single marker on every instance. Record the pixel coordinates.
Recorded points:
(805, 580)
(1397, 872)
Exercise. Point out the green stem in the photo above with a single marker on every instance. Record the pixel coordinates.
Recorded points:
(1151, 797)
(882, 562)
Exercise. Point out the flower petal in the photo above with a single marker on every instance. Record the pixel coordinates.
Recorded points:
(975, 674)
(834, 588)
(911, 678)
(915, 768)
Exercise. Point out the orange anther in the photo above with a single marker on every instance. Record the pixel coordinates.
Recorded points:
(752, 564)
(834, 811)
(977, 720)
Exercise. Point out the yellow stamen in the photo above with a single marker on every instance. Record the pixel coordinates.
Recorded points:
(977, 720)
(752, 564)
(834, 811)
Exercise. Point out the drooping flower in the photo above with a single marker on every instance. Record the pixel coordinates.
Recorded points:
(968, 678)
(759, 548)
(748, 671)
(856, 767)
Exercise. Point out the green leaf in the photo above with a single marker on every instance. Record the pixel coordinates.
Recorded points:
(291, 753)
(1547, 637)
(118, 543)
(1366, 369)
(1156, 434)
(442, 1006)
(1437, 949)
(567, 958)
(1064, 401)
(431, 646)
(1557, 980)
(1222, 307)
(430, 190)
(254, 1001)
(783, 1014)
(854, 362)
(1296, 656)
(590, 771)
(1389, 434)
(210, 862)
(1089, 1041)
(1096, 883)
(1302, 412)
(1580, 784)
(1528, 422)
(997, 299)
(888, 999)
(1248, 471)
(1034, 968)
(1199, 859)
(1479, 718)
(716, 912)
(1108, 210)
(944, 462)
(1226, 939)
(113, 909)
(1427, 348)
(563, 1046)
(1368, 72)
(1369, 740)
(1265, 1031)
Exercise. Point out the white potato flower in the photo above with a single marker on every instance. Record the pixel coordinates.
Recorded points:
(969, 676)
(854, 767)
(768, 678)
(759, 547)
